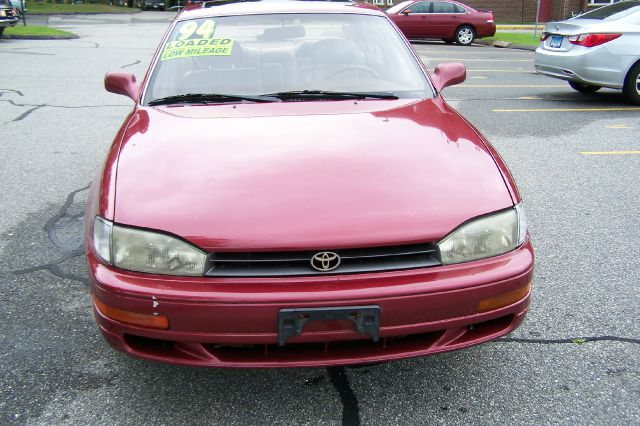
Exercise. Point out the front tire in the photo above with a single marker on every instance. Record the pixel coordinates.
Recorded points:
(465, 35)
(631, 87)
(1, 31)
(584, 88)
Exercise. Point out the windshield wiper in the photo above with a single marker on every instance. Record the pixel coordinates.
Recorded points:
(210, 98)
(328, 94)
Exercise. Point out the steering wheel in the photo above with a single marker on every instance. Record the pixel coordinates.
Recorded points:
(353, 67)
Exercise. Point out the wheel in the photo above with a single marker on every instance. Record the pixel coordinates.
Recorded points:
(631, 87)
(584, 88)
(346, 68)
(465, 35)
(448, 40)
(1, 31)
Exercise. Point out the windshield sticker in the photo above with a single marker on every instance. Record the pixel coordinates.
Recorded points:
(197, 40)
(197, 47)
(205, 30)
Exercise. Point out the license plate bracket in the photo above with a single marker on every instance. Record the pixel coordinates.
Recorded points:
(291, 321)
(556, 41)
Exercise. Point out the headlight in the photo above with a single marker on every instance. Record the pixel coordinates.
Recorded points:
(485, 237)
(102, 238)
(146, 251)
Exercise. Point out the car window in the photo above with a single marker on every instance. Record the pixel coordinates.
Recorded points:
(443, 7)
(612, 12)
(262, 54)
(459, 9)
(422, 7)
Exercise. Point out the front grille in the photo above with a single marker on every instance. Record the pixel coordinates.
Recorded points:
(292, 263)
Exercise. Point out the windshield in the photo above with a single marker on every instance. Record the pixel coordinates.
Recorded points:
(256, 55)
(612, 12)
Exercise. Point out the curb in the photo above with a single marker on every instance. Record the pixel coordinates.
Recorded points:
(519, 27)
(38, 37)
(505, 45)
(80, 13)
(496, 43)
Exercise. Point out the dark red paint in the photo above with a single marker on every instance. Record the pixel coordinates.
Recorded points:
(303, 175)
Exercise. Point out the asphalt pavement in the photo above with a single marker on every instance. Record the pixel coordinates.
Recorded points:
(575, 360)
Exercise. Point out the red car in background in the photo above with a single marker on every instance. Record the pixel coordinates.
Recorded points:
(449, 20)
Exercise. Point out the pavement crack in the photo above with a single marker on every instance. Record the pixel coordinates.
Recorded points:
(62, 220)
(574, 340)
(93, 44)
(54, 268)
(26, 113)
(132, 64)
(350, 410)
(52, 223)
(62, 106)
(13, 103)
(87, 106)
(3, 91)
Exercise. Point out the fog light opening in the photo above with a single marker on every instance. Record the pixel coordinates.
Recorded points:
(133, 318)
(503, 300)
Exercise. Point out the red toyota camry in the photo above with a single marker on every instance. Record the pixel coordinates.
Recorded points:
(290, 189)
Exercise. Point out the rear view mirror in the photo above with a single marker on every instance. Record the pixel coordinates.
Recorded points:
(122, 83)
(284, 33)
(448, 74)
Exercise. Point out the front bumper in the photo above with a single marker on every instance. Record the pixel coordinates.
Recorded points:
(589, 65)
(9, 21)
(485, 30)
(234, 322)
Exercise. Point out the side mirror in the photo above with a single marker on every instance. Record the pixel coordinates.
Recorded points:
(448, 74)
(122, 83)
(406, 12)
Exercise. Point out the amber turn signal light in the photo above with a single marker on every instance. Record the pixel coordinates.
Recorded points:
(503, 300)
(134, 318)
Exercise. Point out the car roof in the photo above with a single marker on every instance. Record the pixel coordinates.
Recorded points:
(259, 7)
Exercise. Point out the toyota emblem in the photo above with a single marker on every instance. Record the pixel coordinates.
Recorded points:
(325, 261)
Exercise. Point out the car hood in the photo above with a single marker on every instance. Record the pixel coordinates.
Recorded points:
(305, 175)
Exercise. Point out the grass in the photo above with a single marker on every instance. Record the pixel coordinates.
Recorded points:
(53, 9)
(517, 38)
(36, 31)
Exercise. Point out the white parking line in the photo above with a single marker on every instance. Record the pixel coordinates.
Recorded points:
(431, 58)
(610, 153)
(519, 86)
(567, 109)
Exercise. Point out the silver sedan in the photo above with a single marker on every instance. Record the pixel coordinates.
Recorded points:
(597, 49)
